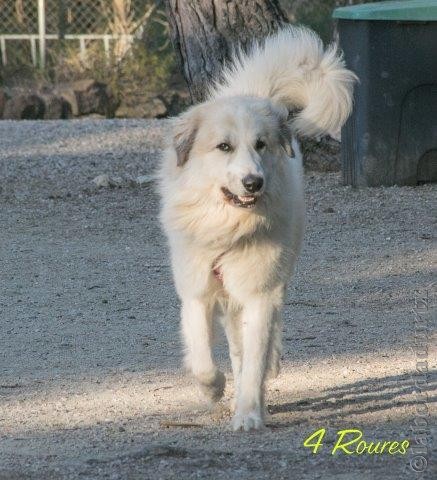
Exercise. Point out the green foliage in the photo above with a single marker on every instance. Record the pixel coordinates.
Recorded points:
(317, 15)
(139, 69)
(144, 66)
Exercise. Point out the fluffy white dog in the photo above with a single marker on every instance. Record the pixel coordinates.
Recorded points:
(233, 208)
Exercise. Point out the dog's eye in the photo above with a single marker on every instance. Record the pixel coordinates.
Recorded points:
(224, 147)
(259, 145)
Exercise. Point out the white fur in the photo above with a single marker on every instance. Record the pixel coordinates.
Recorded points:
(254, 250)
(292, 68)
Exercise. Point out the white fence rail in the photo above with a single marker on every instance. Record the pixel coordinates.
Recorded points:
(40, 40)
(34, 23)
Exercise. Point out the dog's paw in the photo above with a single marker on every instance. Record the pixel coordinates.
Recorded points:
(213, 389)
(251, 420)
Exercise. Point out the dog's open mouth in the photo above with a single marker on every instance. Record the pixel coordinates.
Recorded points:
(243, 201)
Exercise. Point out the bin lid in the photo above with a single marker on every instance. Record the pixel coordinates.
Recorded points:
(414, 10)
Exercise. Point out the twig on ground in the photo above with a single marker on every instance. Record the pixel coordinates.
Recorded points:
(170, 423)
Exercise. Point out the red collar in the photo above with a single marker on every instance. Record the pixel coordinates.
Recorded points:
(216, 270)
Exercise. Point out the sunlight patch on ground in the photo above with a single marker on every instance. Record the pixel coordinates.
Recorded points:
(326, 389)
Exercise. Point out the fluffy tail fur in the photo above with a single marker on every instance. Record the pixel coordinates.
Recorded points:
(291, 67)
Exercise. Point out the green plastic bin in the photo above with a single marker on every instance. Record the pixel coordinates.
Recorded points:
(391, 136)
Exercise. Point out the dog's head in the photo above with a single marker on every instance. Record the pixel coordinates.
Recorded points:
(232, 145)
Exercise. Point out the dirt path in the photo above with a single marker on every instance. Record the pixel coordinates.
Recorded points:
(89, 350)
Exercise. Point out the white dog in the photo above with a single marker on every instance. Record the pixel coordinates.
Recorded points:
(233, 208)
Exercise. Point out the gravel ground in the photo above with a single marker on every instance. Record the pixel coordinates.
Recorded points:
(90, 378)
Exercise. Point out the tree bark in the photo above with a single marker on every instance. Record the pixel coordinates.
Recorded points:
(204, 32)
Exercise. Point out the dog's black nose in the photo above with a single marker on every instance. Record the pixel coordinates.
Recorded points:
(253, 183)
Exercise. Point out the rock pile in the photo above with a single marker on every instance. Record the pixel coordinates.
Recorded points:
(75, 99)
(85, 98)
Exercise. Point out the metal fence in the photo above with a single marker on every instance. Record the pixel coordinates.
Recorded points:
(28, 28)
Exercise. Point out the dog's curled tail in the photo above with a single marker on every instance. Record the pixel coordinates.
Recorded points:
(291, 67)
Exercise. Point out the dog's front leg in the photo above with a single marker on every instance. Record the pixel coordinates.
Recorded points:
(257, 317)
(197, 333)
(232, 323)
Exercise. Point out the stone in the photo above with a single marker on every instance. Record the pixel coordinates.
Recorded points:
(102, 181)
(321, 154)
(88, 97)
(93, 97)
(176, 101)
(144, 179)
(24, 106)
(69, 98)
(3, 99)
(55, 107)
(151, 108)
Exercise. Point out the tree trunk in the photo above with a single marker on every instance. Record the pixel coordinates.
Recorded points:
(205, 31)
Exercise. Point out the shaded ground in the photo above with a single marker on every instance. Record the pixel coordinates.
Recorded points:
(90, 354)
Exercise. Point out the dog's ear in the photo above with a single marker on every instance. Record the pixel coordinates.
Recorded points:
(285, 137)
(285, 133)
(184, 134)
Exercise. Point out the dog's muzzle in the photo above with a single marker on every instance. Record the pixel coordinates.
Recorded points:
(243, 201)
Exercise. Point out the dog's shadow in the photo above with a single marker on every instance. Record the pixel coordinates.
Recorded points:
(366, 396)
